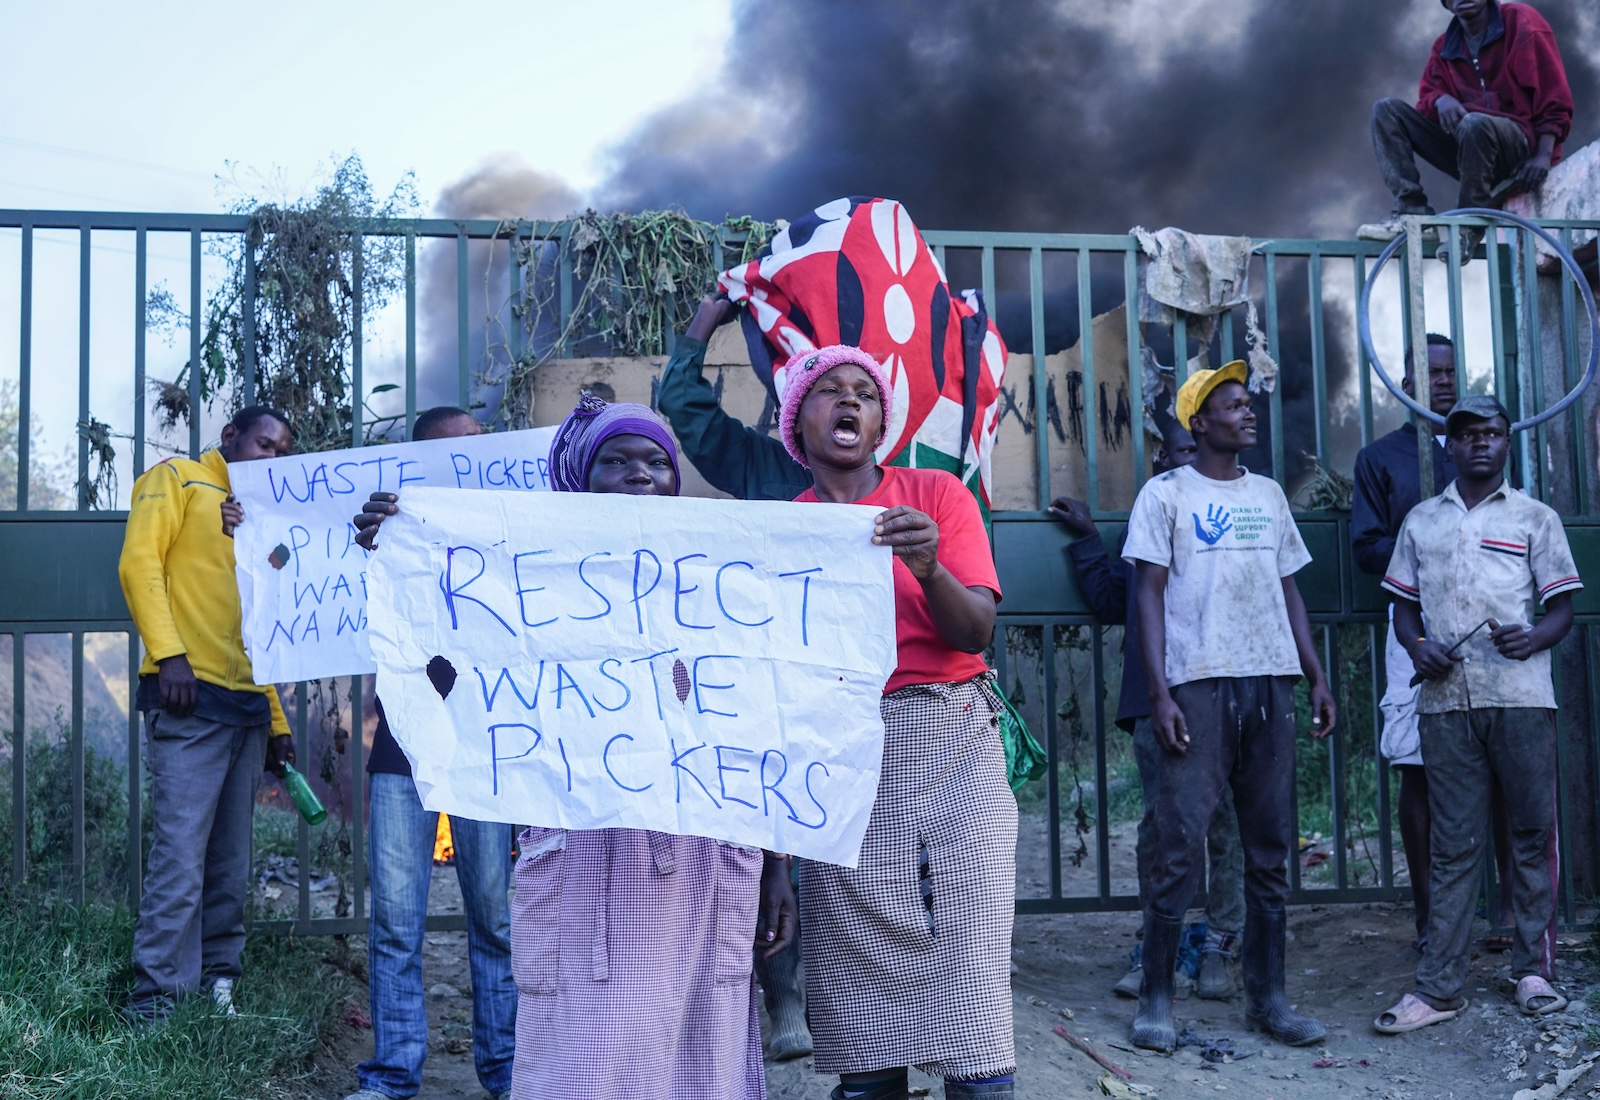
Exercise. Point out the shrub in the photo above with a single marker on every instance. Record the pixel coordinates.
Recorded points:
(49, 814)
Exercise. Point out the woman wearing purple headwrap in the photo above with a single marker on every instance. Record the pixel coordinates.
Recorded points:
(631, 948)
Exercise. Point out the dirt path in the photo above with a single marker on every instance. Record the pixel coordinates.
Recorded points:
(1346, 964)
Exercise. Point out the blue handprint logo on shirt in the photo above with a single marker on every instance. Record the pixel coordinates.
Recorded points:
(1218, 522)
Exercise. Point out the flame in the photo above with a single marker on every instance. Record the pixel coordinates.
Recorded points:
(443, 850)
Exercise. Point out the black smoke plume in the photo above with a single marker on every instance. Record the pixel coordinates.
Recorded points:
(1222, 116)
(1245, 117)
(505, 187)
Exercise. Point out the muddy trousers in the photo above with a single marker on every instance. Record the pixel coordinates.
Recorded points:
(203, 777)
(1467, 751)
(1241, 735)
(1225, 870)
(1484, 150)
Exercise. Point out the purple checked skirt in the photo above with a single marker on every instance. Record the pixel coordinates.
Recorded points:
(632, 954)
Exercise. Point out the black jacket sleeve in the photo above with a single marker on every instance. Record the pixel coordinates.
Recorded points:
(736, 459)
(1370, 540)
(1102, 579)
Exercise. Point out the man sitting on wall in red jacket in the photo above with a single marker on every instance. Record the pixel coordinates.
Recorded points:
(1492, 111)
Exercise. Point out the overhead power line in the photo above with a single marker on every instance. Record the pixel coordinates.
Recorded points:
(106, 158)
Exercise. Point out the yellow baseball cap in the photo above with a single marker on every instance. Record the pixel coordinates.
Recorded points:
(1198, 386)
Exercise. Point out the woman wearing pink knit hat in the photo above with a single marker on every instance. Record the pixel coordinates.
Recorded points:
(908, 956)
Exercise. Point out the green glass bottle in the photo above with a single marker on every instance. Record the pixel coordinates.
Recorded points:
(304, 797)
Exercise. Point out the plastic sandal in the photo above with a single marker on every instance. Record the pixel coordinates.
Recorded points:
(1411, 1013)
(1534, 988)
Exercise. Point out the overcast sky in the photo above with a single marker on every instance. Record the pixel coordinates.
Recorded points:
(166, 106)
(141, 106)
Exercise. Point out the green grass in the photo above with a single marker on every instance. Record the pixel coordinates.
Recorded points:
(64, 974)
(275, 831)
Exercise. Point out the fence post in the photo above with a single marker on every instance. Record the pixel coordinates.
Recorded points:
(1417, 343)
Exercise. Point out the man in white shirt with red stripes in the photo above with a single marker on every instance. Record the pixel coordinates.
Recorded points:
(1474, 560)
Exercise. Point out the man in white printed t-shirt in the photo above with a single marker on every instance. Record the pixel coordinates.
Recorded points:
(1224, 637)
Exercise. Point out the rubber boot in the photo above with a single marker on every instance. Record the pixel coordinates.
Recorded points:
(781, 988)
(1213, 982)
(898, 1089)
(1153, 1027)
(961, 1090)
(1128, 985)
(1267, 1008)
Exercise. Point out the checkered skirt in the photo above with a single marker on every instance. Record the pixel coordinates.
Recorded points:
(885, 986)
(632, 954)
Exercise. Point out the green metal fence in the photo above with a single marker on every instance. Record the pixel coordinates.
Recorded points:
(1522, 336)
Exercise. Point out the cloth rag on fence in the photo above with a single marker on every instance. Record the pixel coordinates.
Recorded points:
(1198, 274)
(857, 271)
(1202, 276)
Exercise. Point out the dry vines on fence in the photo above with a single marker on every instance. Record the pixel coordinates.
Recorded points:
(1324, 490)
(301, 327)
(636, 279)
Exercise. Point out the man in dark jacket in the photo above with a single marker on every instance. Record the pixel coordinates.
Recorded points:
(751, 465)
(1388, 484)
(1492, 110)
(400, 869)
(741, 461)
(1107, 586)
(1388, 474)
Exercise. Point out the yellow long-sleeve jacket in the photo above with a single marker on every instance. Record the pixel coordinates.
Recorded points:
(177, 575)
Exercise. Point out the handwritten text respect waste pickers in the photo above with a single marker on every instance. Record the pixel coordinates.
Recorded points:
(524, 591)
(683, 674)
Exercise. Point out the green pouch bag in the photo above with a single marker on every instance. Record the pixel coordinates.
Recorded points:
(1025, 757)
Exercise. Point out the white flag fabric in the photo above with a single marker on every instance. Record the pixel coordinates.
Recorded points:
(700, 667)
(302, 578)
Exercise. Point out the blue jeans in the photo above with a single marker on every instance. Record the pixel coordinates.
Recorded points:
(400, 868)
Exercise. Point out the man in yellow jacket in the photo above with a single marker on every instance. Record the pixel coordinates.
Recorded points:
(207, 722)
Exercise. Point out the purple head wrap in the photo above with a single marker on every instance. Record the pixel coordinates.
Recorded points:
(588, 426)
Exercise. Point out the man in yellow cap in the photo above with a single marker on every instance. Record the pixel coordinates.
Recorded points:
(1224, 636)
(1107, 585)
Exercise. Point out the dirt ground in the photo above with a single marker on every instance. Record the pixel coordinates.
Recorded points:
(1346, 964)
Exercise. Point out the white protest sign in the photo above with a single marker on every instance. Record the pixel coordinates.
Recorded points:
(302, 578)
(701, 667)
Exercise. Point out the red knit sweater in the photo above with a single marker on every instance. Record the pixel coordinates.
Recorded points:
(1518, 74)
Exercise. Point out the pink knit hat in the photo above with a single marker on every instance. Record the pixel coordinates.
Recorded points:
(797, 377)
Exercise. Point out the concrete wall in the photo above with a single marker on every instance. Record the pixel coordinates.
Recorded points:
(1067, 419)
(558, 384)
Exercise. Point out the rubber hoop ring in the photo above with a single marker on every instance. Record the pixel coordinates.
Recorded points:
(1364, 321)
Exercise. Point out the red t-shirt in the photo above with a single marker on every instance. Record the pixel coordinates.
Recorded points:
(925, 657)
